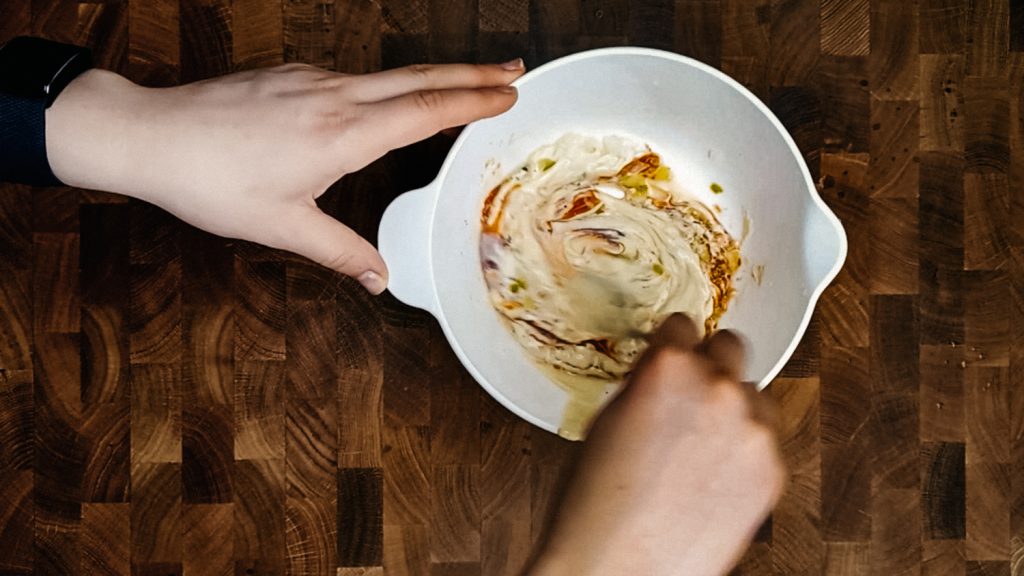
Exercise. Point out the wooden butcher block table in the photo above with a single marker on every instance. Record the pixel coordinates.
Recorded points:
(172, 402)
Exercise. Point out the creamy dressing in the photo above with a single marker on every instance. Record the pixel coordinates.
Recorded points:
(586, 248)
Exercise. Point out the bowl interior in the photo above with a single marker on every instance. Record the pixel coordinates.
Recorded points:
(707, 130)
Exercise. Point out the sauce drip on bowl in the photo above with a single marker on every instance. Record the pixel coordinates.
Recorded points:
(586, 248)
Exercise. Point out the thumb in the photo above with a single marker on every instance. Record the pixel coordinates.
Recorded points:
(330, 243)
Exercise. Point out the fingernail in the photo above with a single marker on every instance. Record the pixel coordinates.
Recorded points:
(506, 89)
(372, 281)
(513, 65)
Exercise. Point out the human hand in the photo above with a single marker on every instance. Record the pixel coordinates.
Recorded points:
(677, 474)
(246, 155)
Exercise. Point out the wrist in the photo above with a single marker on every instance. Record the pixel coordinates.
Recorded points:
(89, 131)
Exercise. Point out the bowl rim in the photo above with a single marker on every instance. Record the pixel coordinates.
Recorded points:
(815, 294)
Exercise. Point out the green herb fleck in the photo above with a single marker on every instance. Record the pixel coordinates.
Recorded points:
(545, 164)
(717, 188)
(658, 268)
(513, 288)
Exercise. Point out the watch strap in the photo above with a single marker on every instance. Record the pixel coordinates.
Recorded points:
(33, 72)
(23, 142)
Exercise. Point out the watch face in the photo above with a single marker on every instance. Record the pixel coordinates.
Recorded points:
(40, 69)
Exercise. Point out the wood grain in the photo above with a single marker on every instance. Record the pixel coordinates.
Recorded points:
(176, 403)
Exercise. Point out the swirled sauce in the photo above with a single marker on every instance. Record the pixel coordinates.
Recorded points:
(586, 248)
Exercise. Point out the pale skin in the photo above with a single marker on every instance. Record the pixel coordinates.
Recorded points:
(677, 473)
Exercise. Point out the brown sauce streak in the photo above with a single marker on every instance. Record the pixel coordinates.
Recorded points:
(582, 203)
(491, 205)
(645, 165)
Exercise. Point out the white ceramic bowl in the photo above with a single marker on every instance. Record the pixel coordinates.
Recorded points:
(706, 126)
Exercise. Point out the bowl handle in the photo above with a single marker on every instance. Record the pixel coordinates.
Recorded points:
(404, 240)
(826, 244)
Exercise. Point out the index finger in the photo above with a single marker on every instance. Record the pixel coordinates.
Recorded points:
(396, 82)
(412, 117)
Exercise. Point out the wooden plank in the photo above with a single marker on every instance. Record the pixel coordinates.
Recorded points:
(17, 21)
(654, 24)
(16, 523)
(554, 26)
(260, 310)
(103, 27)
(55, 265)
(106, 538)
(17, 420)
(156, 522)
(358, 32)
(988, 513)
(453, 29)
(107, 452)
(987, 221)
(455, 514)
(986, 323)
(58, 451)
(845, 394)
(54, 20)
(207, 452)
(846, 491)
(986, 411)
(207, 542)
(986, 113)
(104, 285)
(154, 313)
(745, 43)
(259, 515)
(406, 550)
(846, 102)
(941, 102)
(988, 28)
(943, 492)
(360, 525)
(311, 534)
(259, 411)
(405, 16)
(309, 32)
(847, 559)
(256, 35)
(844, 305)
(894, 252)
(154, 52)
(894, 62)
(941, 557)
(798, 514)
(940, 214)
(698, 30)
(455, 431)
(311, 452)
(795, 42)
(361, 377)
(156, 420)
(941, 393)
(943, 23)
(311, 332)
(846, 27)
(895, 532)
(406, 376)
(894, 349)
(895, 135)
(504, 16)
(406, 471)
(205, 30)
(55, 209)
(1016, 26)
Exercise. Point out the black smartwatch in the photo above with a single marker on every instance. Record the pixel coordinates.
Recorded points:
(33, 72)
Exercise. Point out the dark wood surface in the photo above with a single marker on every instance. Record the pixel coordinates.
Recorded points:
(171, 402)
